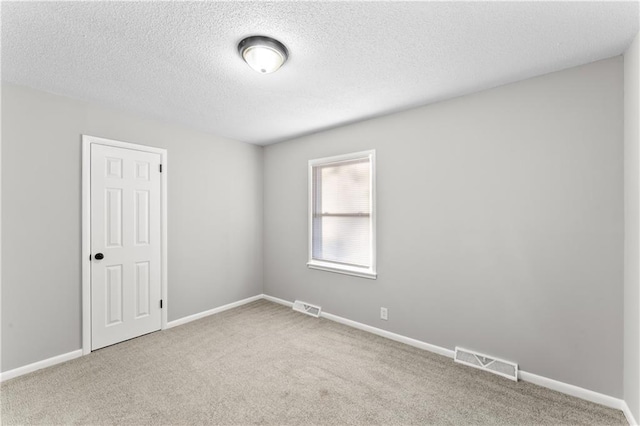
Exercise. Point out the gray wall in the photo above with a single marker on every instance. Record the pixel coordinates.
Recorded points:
(632, 228)
(215, 218)
(500, 224)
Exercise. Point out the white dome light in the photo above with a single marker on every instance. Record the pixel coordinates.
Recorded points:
(263, 54)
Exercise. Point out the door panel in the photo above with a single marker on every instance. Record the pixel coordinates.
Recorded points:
(125, 228)
(113, 217)
(143, 287)
(114, 295)
(141, 215)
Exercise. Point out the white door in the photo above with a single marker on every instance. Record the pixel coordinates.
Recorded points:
(125, 244)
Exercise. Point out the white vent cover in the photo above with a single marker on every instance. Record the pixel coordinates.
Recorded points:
(488, 363)
(306, 308)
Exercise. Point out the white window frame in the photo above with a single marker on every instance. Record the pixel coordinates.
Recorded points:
(364, 272)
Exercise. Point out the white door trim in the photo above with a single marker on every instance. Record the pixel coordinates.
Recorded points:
(86, 229)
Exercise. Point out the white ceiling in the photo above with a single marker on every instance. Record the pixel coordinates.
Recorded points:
(349, 61)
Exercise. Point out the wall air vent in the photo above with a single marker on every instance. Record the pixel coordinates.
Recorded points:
(306, 308)
(488, 363)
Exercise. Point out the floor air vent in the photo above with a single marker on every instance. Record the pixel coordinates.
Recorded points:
(306, 308)
(484, 362)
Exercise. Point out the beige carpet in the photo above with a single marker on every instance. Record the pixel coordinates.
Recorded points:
(262, 363)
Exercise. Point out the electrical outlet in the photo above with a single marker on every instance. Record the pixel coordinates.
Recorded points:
(384, 314)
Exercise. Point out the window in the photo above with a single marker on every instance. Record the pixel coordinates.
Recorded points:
(342, 214)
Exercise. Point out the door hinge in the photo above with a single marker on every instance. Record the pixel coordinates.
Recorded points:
(89, 257)
(160, 168)
(160, 303)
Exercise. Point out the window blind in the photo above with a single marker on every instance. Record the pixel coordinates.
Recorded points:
(342, 230)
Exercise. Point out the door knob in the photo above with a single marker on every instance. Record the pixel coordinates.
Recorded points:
(99, 256)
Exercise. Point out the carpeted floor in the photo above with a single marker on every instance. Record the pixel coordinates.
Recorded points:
(263, 363)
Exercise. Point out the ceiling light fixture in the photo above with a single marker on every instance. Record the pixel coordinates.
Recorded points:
(263, 54)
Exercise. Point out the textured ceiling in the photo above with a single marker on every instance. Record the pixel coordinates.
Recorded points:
(348, 60)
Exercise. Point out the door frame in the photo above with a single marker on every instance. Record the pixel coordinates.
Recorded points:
(87, 141)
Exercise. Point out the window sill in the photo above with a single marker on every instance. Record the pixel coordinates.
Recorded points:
(340, 269)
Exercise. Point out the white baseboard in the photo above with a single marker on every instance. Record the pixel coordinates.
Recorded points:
(578, 392)
(629, 415)
(562, 387)
(276, 300)
(389, 335)
(226, 307)
(40, 365)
